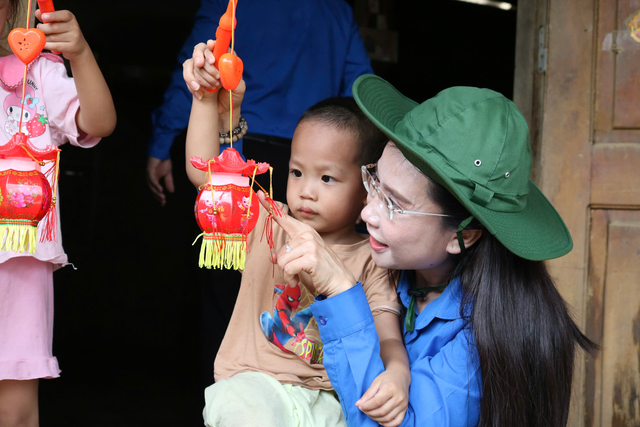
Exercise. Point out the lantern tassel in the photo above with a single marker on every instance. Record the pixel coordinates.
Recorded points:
(219, 250)
(19, 235)
(49, 224)
(50, 221)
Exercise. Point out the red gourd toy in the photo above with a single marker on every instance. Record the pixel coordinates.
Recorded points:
(228, 63)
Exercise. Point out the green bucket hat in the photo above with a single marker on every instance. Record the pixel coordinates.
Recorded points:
(475, 143)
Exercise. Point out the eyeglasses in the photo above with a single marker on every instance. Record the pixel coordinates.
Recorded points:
(372, 184)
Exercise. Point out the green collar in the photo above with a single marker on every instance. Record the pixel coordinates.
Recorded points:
(410, 319)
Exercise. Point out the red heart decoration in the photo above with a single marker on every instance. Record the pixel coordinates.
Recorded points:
(231, 68)
(27, 44)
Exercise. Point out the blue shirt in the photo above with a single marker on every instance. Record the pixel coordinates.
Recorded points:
(445, 375)
(295, 54)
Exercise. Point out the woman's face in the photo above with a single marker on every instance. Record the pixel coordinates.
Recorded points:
(407, 242)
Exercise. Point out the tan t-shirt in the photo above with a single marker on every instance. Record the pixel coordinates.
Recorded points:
(272, 330)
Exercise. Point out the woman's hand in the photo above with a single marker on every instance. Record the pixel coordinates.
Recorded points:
(308, 253)
(199, 73)
(63, 34)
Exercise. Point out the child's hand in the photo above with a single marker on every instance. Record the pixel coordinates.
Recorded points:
(63, 34)
(386, 400)
(238, 96)
(199, 73)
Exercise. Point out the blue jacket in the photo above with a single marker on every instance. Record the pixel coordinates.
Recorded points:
(295, 54)
(445, 374)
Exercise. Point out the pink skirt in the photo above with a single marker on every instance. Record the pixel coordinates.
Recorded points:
(26, 320)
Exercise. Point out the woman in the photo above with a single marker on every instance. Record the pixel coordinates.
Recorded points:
(489, 338)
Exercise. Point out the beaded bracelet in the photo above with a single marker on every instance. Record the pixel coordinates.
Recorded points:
(237, 133)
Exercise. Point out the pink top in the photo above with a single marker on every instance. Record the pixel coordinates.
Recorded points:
(49, 117)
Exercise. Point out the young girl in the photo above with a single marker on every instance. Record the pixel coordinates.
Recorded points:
(57, 109)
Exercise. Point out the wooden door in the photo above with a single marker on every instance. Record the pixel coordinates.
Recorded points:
(583, 106)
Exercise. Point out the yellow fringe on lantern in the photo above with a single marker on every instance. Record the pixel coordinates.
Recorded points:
(220, 250)
(18, 235)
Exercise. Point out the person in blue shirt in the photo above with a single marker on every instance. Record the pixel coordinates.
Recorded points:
(295, 54)
(489, 338)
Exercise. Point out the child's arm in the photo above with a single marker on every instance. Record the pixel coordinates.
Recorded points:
(203, 132)
(387, 398)
(97, 114)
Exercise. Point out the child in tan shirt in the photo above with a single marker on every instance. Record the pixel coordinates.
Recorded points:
(269, 368)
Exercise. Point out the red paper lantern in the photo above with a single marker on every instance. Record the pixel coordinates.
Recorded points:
(226, 208)
(25, 193)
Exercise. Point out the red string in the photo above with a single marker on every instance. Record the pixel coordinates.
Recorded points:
(24, 80)
(267, 231)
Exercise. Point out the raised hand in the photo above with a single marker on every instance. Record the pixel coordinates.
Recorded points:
(63, 34)
(199, 73)
(309, 253)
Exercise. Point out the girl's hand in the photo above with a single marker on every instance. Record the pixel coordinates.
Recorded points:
(308, 253)
(386, 400)
(199, 73)
(63, 34)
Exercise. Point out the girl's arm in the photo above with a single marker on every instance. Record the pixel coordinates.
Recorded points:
(97, 114)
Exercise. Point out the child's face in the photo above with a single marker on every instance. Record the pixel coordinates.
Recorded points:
(325, 188)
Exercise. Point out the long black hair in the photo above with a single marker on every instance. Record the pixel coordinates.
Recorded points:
(523, 332)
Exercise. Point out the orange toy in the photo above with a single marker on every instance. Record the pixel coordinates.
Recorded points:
(27, 44)
(226, 25)
(231, 68)
(229, 64)
(46, 6)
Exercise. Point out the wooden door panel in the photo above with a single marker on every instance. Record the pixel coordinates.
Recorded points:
(626, 113)
(615, 174)
(617, 116)
(585, 129)
(613, 377)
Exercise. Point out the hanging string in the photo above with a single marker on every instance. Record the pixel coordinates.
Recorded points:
(49, 223)
(233, 26)
(54, 186)
(33, 158)
(24, 79)
(233, 42)
(253, 179)
(28, 15)
(231, 118)
(213, 193)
